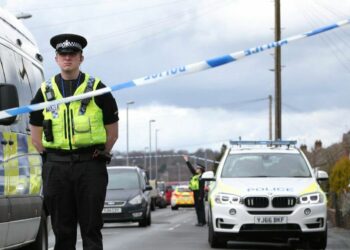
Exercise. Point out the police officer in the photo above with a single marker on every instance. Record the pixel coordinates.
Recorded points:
(197, 186)
(75, 140)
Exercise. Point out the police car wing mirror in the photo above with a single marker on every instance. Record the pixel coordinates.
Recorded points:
(8, 100)
(208, 176)
(321, 175)
(148, 188)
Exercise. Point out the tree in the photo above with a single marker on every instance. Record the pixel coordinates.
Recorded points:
(340, 176)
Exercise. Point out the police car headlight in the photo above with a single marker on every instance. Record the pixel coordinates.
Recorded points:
(312, 198)
(223, 198)
(136, 200)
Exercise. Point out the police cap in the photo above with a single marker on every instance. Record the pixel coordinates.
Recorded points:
(68, 43)
(201, 167)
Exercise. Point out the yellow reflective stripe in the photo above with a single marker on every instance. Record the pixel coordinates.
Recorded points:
(35, 179)
(34, 161)
(11, 169)
(312, 188)
(222, 188)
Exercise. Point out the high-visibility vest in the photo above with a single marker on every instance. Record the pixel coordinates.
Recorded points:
(194, 182)
(71, 127)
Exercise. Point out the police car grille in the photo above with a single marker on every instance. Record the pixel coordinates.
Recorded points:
(284, 202)
(256, 201)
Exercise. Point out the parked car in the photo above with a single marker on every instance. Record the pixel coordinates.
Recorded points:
(182, 197)
(161, 199)
(128, 196)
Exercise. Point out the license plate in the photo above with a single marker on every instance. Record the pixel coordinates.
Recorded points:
(111, 210)
(270, 220)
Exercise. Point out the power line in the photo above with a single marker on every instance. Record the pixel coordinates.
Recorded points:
(154, 34)
(170, 19)
(57, 6)
(326, 39)
(244, 102)
(323, 8)
(90, 18)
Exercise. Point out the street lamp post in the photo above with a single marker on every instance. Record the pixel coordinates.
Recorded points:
(127, 131)
(145, 158)
(156, 154)
(150, 148)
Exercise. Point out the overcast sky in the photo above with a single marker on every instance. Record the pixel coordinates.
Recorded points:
(132, 38)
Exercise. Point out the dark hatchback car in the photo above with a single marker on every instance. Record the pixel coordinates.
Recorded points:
(128, 197)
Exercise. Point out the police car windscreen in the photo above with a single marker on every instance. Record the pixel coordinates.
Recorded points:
(265, 165)
(122, 179)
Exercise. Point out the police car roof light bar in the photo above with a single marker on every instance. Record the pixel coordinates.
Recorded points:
(267, 143)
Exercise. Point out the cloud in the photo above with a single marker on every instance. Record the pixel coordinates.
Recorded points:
(188, 128)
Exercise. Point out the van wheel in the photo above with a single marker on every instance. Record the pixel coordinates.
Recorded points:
(40, 242)
(214, 240)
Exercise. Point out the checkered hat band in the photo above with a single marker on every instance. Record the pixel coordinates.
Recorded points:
(68, 44)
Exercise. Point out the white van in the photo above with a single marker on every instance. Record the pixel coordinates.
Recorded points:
(266, 191)
(23, 220)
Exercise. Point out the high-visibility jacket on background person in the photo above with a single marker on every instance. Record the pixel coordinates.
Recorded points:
(72, 128)
(194, 182)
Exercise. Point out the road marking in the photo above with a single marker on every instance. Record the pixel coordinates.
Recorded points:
(176, 226)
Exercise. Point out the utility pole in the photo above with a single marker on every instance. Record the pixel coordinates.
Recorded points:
(127, 131)
(270, 117)
(145, 159)
(156, 154)
(278, 95)
(150, 148)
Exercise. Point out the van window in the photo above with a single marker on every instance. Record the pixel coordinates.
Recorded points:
(34, 75)
(8, 63)
(2, 76)
(16, 73)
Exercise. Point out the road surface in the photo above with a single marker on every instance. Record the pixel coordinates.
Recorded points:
(176, 230)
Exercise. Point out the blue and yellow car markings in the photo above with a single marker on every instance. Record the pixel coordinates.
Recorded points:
(20, 165)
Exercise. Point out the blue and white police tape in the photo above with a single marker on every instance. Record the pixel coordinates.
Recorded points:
(166, 156)
(177, 71)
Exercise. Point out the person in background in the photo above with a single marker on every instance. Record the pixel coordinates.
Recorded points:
(197, 186)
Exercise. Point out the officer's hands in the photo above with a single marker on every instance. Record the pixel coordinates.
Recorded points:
(43, 156)
(102, 155)
(185, 157)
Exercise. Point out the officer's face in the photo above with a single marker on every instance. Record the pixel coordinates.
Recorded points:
(69, 61)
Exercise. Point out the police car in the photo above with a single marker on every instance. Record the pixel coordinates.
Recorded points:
(266, 191)
(23, 221)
